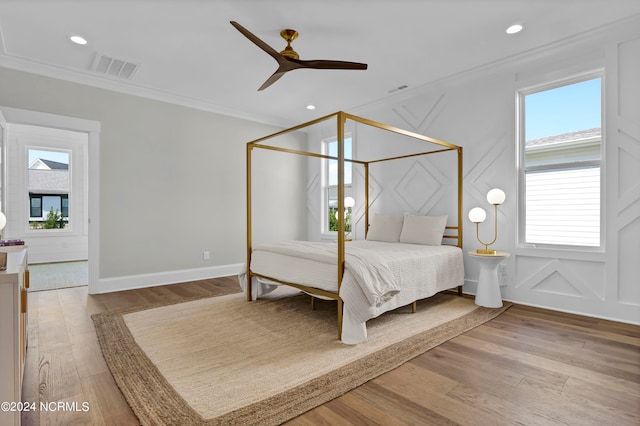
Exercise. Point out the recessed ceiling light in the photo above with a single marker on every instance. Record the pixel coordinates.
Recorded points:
(78, 40)
(311, 107)
(515, 28)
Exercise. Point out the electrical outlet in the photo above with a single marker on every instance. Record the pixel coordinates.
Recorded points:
(206, 255)
(502, 275)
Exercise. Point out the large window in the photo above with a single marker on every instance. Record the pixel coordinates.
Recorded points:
(330, 186)
(48, 187)
(560, 153)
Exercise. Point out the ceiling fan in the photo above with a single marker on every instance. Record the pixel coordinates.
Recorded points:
(288, 59)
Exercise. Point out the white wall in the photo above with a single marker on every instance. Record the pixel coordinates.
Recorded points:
(477, 111)
(150, 151)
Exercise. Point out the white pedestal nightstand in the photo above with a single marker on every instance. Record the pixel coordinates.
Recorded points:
(488, 291)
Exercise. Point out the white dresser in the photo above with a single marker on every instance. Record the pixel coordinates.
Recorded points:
(14, 282)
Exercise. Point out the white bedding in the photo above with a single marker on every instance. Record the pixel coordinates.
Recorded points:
(379, 276)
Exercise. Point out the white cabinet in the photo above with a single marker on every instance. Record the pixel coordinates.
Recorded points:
(14, 282)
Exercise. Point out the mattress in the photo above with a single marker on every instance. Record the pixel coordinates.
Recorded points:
(401, 273)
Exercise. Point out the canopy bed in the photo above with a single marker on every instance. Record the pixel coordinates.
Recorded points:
(403, 258)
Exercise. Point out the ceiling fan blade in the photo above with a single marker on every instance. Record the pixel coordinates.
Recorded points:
(288, 59)
(274, 77)
(330, 65)
(261, 44)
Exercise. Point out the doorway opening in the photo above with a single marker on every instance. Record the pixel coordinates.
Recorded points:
(54, 224)
(48, 193)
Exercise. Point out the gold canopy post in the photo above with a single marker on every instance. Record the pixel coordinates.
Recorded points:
(341, 122)
(249, 236)
(460, 221)
(341, 119)
(366, 200)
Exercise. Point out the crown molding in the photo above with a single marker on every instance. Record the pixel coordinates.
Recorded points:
(52, 71)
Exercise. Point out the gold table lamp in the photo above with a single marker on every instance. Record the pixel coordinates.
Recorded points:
(477, 215)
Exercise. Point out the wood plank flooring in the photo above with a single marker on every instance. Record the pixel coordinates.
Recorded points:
(529, 366)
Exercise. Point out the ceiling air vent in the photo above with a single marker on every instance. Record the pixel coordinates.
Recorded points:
(104, 64)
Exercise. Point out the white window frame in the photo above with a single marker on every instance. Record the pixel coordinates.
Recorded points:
(324, 222)
(72, 215)
(76, 215)
(520, 152)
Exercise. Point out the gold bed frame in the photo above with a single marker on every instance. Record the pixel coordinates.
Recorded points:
(341, 119)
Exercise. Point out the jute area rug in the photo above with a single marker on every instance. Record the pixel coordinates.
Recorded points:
(223, 360)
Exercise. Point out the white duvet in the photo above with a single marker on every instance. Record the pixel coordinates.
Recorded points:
(378, 276)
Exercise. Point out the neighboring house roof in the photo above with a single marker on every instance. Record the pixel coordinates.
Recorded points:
(42, 164)
(42, 181)
(565, 138)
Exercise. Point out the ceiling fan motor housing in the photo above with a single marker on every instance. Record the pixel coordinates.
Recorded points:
(289, 35)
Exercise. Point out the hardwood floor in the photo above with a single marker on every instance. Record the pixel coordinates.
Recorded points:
(529, 366)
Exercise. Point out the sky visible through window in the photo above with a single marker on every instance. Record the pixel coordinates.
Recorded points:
(563, 110)
(60, 157)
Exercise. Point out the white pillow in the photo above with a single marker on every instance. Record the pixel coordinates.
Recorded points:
(426, 230)
(385, 227)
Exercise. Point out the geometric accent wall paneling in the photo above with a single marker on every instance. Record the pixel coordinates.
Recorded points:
(423, 185)
(485, 173)
(375, 190)
(477, 111)
(628, 211)
(628, 262)
(584, 279)
(420, 113)
(491, 167)
(627, 202)
(420, 189)
(628, 175)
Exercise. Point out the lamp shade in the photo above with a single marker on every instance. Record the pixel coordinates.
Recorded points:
(3, 220)
(349, 202)
(496, 196)
(477, 215)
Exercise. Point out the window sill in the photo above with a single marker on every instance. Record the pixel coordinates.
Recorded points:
(596, 254)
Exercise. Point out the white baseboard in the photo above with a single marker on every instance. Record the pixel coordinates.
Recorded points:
(108, 285)
(630, 318)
